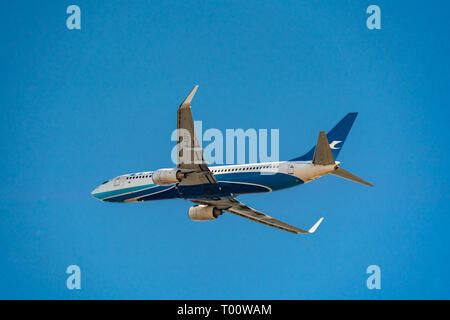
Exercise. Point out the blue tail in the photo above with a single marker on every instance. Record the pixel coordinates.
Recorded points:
(336, 137)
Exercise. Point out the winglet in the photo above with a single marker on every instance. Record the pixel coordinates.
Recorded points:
(187, 102)
(315, 226)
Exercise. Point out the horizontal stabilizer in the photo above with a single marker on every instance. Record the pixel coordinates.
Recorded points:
(339, 172)
(323, 154)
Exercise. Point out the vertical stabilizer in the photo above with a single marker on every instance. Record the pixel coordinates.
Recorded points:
(335, 136)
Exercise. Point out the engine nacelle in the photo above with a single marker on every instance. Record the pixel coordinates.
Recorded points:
(165, 177)
(203, 213)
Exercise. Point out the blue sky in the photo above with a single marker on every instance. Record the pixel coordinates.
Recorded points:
(81, 106)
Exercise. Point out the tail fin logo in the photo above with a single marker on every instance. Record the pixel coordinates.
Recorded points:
(333, 144)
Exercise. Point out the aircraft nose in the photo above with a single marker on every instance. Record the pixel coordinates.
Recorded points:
(95, 193)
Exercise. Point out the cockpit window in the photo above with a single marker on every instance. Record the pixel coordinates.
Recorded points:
(105, 182)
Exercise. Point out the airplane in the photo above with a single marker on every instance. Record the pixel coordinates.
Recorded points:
(213, 189)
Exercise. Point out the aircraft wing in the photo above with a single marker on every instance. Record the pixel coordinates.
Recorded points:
(240, 209)
(190, 155)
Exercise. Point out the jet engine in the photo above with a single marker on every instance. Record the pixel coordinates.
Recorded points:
(165, 177)
(203, 213)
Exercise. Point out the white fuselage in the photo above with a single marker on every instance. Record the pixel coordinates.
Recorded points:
(233, 180)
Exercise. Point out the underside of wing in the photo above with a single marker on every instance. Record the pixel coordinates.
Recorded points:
(189, 153)
(240, 209)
